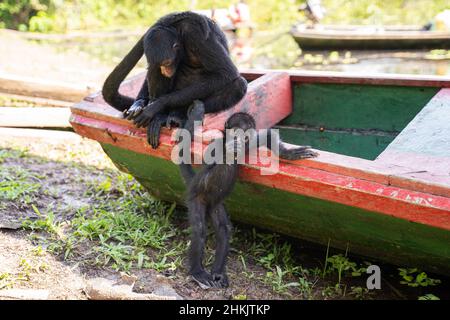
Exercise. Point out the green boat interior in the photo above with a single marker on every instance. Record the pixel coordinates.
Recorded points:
(354, 120)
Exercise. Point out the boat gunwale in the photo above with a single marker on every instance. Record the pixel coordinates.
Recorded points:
(335, 77)
(370, 36)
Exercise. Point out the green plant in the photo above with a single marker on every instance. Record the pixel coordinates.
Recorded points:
(6, 280)
(342, 265)
(45, 222)
(270, 251)
(17, 13)
(412, 277)
(382, 12)
(18, 184)
(336, 290)
(359, 292)
(305, 287)
(275, 279)
(11, 153)
(41, 22)
(428, 296)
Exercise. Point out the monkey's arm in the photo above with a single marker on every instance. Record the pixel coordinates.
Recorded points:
(271, 139)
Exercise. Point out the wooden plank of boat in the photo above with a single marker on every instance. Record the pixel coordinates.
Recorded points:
(425, 139)
(376, 208)
(364, 38)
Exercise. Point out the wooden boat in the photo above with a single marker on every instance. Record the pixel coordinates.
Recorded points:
(381, 184)
(323, 37)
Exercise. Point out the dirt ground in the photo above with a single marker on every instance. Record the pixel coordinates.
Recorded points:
(47, 64)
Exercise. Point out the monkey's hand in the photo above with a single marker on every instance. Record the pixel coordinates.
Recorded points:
(149, 112)
(154, 129)
(176, 118)
(299, 152)
(135, 109)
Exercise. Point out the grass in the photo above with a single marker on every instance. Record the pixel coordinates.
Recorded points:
(15, 185)
(25, 269)
(126, 228)
(18, 186)
(413, 277)
(282, 272)
(11, 154)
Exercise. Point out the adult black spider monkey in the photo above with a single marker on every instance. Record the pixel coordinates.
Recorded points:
(188, 60)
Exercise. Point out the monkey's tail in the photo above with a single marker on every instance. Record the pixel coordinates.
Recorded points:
(111, 85)
(187, 172)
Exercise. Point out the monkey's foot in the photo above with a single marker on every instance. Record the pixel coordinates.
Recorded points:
(220, 280)
(303, 152)
(203, 279)
(195, 113)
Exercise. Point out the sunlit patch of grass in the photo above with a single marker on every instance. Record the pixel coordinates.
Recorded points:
(124, 228)
(123, 236)
(11, 154)
(23, 272)
(17, 183)
(6, 280)
(46, 222)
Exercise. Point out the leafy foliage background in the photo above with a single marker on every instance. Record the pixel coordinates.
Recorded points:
(67, 15)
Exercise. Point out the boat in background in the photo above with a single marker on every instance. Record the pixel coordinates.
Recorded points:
(336, 37)
(380, 186)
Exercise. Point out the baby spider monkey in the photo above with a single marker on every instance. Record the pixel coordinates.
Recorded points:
(208, 187)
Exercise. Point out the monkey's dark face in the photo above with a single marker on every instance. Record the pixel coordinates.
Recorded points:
(163, 51)
(240, 120)
(168, 67)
